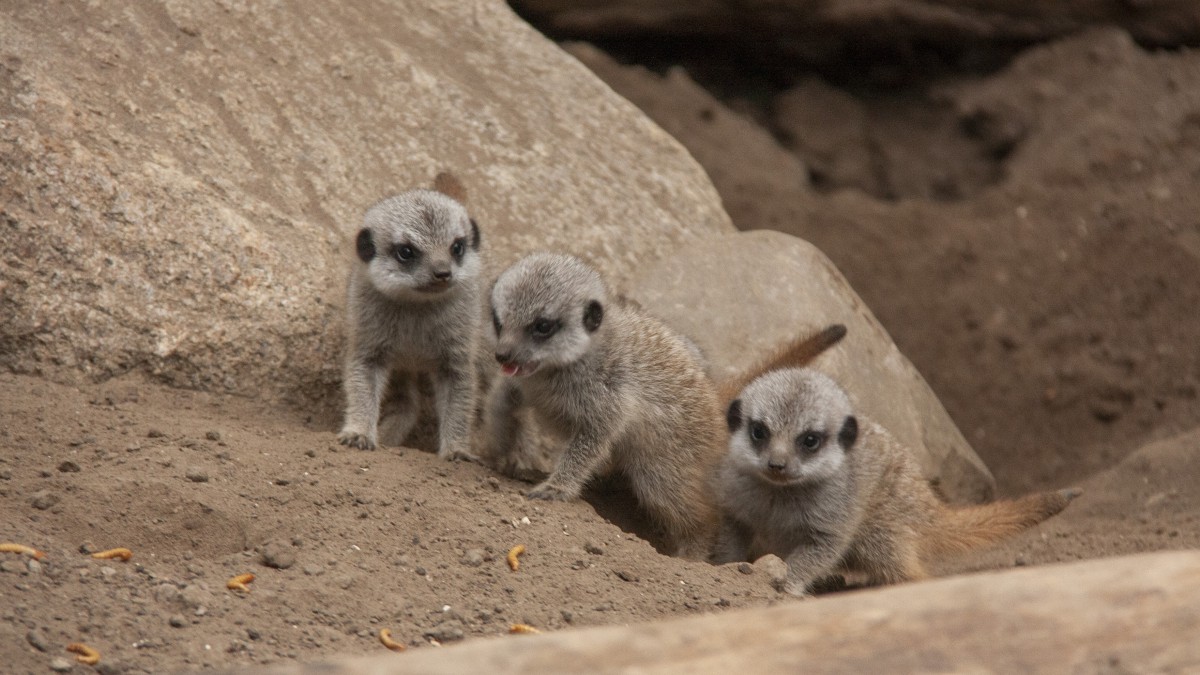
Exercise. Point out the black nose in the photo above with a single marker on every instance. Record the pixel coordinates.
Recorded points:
(503, 358)
(441, 275)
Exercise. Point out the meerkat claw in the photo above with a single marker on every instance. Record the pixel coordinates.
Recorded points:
(356, 440)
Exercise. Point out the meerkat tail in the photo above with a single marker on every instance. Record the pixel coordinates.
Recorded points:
(963, 529)
(795, 354)
(449, 185)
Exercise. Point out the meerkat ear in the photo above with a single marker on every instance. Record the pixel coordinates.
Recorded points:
(733, 416)
(364, 245)
(593, 314)
(849, 433)
(474, 235)
(449, 185)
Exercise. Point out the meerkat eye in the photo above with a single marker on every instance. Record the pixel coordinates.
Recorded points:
(543, 328)
(404, 253)
(458, 248)
(810, 440)
(758, 431)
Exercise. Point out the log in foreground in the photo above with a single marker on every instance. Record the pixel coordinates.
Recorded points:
(1129, 614)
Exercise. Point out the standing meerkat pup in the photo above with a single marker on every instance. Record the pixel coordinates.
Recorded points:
(414, 307)
(808, 480)
(627, 393)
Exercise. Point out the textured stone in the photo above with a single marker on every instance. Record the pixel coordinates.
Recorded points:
(182, 203)
(774, 287)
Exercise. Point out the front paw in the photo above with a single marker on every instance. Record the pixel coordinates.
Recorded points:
(794, 588)
(552, 493)
(458, 455)
(356, 440)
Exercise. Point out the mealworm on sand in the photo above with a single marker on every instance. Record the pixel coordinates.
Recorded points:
(523, 628)
(239, 582)
(122, 553)
(22, 548)
(385, 636)
(86, 654)
(512, 556)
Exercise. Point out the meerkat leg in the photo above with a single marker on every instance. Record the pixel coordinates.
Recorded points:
(365, 381)
(502, 427)
(815, 559)
(586, 452)
(674, 502)
(454, 390)
(733, 543)
(399, 409)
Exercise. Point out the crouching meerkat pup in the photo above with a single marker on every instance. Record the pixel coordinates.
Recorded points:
(414, 306)
(830, 492)
(627, 393)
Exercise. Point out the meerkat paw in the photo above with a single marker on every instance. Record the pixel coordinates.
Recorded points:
(551, 492)
(793, 588)
(458, 455)
(356, 440)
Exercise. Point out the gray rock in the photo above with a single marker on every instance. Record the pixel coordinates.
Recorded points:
(278, 555)
(196, 475)
(37, 638)
(775, 287)
(474, 557)
(60, 665)
(68, 467)
(216, 280)
(44, 499)
(177, 621)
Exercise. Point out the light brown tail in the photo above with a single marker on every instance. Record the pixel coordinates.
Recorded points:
(799, 352)
(962, 529)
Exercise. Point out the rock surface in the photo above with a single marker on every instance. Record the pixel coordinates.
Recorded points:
(1132, 614)
(842, 24)
(178, 181)
(796, 290)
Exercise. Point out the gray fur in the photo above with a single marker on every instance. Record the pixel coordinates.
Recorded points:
(400, 317)
(628, 395)
(812, 508)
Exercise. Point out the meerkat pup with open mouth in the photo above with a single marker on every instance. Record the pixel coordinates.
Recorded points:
(414, 307)
(810, 480)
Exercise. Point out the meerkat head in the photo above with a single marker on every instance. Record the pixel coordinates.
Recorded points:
(546, 311)
(418, 245)
(791, 427)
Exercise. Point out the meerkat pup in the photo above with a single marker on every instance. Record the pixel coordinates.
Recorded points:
(627, 393)
(830, 492)
(414, 307)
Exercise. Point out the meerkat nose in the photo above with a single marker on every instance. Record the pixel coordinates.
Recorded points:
(441, 273)
(503, 358)
(775, 465)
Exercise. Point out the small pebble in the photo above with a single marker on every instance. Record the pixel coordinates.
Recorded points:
(625, 576)
(60, 665)
(473, 557)
(177, 621)
(34, 566)
(37, 638)
(155, 433)
(745, 568)
(68, 467)
(196, 476)
(213, 435)
(44, 499)
(593, 549)
(278, 555)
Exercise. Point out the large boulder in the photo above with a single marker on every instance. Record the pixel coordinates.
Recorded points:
(178, 180)
(741, 294)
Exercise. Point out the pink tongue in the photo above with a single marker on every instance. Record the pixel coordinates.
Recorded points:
(510, 369)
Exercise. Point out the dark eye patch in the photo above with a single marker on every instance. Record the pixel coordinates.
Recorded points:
(406, 253)
(543, 328)
(759, 433)
(810, 441)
